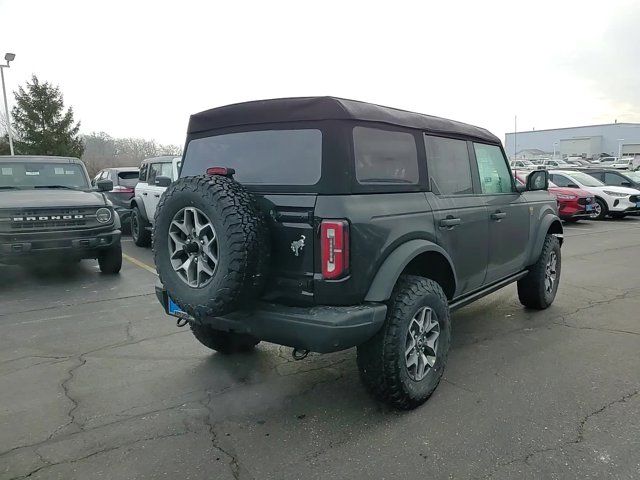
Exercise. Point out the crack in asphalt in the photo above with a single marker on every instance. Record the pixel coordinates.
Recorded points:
(234, 463)
(579, 437)
(98, 452)
(88, 302)
(74, 403)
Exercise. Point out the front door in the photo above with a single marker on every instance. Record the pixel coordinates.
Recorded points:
(508, 213)
(460, 215)
(152, 192)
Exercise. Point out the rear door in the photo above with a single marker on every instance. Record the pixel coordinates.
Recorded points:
(281, 167)
(460, 216)
(151, 193)
(508, 213)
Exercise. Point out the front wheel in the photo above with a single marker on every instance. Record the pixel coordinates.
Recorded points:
(539, 287)
(110, 260)
(223, 342)
(403, 363)
(141, 236)
(600, 210)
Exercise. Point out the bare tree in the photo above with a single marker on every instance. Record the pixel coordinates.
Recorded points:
(103, 150)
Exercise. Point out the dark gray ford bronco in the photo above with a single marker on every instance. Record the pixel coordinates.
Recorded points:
(324, 224)
(50, 214)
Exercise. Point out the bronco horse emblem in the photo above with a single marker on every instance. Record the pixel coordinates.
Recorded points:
(298, 245)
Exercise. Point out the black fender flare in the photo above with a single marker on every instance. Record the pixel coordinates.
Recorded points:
(137, 202)
(545, 224)
(390, 270)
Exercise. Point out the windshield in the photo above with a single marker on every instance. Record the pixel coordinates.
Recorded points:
(635, 176)
(272, 157)
(586, 180)
(23, 175)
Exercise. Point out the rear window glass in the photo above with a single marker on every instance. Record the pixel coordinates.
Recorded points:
(128, 179)
(272, 157)
(383, 156)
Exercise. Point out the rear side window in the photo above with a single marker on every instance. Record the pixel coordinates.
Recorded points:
(270, 157)
(386, 157)
(143, 172)
(448, 166)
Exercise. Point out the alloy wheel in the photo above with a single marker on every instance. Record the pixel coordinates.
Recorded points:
(550, 273)
(193, 247)
(422, 343)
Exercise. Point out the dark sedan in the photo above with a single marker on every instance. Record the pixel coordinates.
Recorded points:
(124, 181)
(616, 177)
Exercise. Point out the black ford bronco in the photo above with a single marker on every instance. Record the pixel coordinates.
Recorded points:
(324, 224)
(50, 214)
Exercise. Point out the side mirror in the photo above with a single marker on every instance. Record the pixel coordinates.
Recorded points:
(626, 184)
(104, 185)
(162, 181)
(538, 180)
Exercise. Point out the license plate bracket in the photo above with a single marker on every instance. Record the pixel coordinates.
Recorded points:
(174, 310)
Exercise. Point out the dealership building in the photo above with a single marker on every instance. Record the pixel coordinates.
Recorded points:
(588, 142)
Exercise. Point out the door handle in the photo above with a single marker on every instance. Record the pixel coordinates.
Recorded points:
(450, 222)
(145, 194)
(498, 215)
(157, 195)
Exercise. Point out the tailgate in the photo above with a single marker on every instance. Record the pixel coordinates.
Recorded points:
(291, 226)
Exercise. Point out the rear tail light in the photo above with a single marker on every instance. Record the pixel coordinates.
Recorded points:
(334, 248)
(121, 189)
(224, 171)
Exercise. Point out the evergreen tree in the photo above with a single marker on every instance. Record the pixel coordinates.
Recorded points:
(41, 124)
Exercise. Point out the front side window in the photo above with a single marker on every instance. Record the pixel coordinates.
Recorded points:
(268, 157)
(492, 167)
(613, 179)
(448, 166)
(383, 156)
(159, 170)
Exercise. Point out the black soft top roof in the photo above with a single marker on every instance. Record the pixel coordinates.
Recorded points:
(326, 108)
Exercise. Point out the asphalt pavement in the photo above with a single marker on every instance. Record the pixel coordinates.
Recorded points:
(97, 383)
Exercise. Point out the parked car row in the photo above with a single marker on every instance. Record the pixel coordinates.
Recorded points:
(592, 193)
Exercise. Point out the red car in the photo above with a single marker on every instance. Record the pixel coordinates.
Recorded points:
(573, 203)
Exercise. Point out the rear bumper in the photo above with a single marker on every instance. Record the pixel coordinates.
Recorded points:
(320, 329)
(34, 247)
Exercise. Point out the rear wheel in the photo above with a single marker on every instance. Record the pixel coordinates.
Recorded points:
(539, 287)
(110, 260)
(223, 342)
(600, 209)
(141, 236)
(404, 362)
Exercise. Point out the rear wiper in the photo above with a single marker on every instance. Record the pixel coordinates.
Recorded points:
(9, 187)
(56, 186)
(384, 180)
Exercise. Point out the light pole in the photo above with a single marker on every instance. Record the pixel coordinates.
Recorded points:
(620, 140)
(9, 58)
(554, 149)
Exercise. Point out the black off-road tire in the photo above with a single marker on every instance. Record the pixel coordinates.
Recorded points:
(532, 291)
(381, 360)
(604, 210)
(243, 243)
(139, 233)
(223, 342)
(110, 260)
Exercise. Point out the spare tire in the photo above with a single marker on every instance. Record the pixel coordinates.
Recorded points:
(210, 245)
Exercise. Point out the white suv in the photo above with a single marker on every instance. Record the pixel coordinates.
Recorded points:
(155, 175)
(611, 200)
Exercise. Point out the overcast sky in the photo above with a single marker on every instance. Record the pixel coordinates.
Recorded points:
(140, 68)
